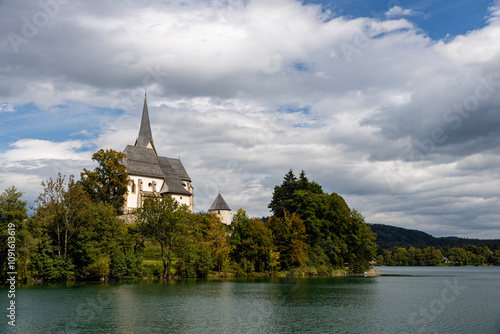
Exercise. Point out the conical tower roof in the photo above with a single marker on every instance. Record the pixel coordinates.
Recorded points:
(145, 135)
(219, 204)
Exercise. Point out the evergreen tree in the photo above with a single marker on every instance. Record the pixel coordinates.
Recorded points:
(335, 234)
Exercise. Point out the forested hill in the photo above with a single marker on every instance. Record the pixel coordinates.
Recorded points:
(391, 236)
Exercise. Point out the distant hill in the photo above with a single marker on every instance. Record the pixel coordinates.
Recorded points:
(391, 236)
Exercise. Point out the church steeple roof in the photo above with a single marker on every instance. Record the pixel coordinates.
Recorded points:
(145, 138)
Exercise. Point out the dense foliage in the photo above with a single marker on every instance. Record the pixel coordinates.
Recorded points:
(107, 183)
(392, 236)
(336, 236)
(70, 236)
(466, 255)
(75, 233)
(398, 246)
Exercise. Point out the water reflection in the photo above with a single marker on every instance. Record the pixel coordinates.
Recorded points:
(386, 304)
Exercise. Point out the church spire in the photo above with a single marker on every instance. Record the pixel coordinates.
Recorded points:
(145, 138)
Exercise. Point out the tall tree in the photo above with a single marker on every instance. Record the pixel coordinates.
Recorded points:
(283, 196)
(252, 242)
(61, 207)
(166, 222)
(334, 236)
(289, 237)
(12, 215)
(363, 246)
(107, 183)
(216, 241)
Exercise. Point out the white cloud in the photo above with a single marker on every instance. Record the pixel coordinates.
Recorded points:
(7, 107)
(38, 151)
(397, 11)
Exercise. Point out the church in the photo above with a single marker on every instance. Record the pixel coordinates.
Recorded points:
(152, 175)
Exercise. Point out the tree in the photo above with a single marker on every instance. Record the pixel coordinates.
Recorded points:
(12, 215)
(283, 196)
(364, 246)
(108, 182)
(104, 245)
(252, 243)
(61, 208)
(216, 242)
(289, 238)
(164, 221)
(335, 235)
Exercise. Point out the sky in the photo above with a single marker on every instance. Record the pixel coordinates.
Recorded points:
(393, 105)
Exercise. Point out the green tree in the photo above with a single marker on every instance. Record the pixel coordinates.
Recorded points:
(282, 199)
(216, 242)
(289, 238)
(252, 243)
(166, 222)
(13, 213)
(108, 182)
(105, 245)
(364, 246)
(401, 256)
(433, 256)
(335, 235)
(285, 197)
(61, 209)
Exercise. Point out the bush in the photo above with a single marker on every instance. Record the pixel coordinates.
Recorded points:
(98, 269)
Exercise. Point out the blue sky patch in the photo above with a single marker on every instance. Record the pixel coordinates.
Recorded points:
(59, 123)
(438, 19)
(301, 67)
(291, 109)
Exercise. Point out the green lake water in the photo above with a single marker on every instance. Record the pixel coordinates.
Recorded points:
(402, 300)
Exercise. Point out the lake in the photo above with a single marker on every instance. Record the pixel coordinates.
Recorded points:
(402, 300)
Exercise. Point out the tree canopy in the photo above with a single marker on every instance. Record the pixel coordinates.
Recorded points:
(165, 221)
(107, 183)
(336, 235)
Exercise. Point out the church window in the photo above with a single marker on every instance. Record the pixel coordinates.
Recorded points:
(181, 197)
(133, 187)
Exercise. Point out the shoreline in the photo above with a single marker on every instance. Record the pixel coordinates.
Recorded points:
(213, 277)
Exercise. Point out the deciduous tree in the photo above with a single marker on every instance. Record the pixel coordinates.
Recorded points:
(12, 211)
(166, 222)
(107, 183)
(289, 237)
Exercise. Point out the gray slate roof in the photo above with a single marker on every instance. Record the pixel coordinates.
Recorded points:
(219, 204)
(143, 161)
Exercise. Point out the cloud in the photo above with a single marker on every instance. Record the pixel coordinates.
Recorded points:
(6, 107)
(36, 150)
(477, 47)
(406, 128)
(397, 11)
(28, 162)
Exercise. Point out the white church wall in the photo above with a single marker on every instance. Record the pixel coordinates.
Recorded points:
(147, 185)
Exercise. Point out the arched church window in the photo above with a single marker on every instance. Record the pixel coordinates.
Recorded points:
(132, 186)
